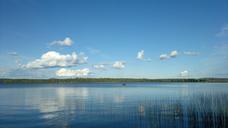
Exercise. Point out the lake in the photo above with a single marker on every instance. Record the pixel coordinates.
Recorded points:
(136, 105)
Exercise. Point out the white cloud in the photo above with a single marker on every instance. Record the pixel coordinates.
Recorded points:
(173, 53)
(184, 73)
(119, 65)
(164, 57)
(55, 59)
(99, 66)
(191, 53)
(66, 42)
(70, 73)
(223, 31)
(140, 55)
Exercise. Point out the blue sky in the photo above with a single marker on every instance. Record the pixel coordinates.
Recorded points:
(111, 33)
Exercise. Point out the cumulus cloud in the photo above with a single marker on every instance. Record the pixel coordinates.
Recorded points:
(119, 65)
(223, 31)
(99, 66)
(70, 73)
(164, 57)
(191, 53)
(55, 59)
(140, 55)
(66, 42)
(184, 73)
(173, 53)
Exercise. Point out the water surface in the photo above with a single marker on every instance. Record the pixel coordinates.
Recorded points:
(136, 105)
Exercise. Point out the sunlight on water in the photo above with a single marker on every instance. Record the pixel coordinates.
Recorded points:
(113, 105)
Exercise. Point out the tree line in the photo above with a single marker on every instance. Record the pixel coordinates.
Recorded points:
(110, 80)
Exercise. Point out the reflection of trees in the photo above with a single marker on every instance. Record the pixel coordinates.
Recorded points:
(201, 111)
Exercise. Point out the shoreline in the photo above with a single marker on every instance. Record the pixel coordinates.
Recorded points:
(112, 80)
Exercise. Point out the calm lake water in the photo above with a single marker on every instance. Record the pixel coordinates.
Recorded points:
(136, 105)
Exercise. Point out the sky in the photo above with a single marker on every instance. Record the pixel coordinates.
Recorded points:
(113, 38)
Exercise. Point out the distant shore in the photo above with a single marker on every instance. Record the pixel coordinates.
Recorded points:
(110, 80)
